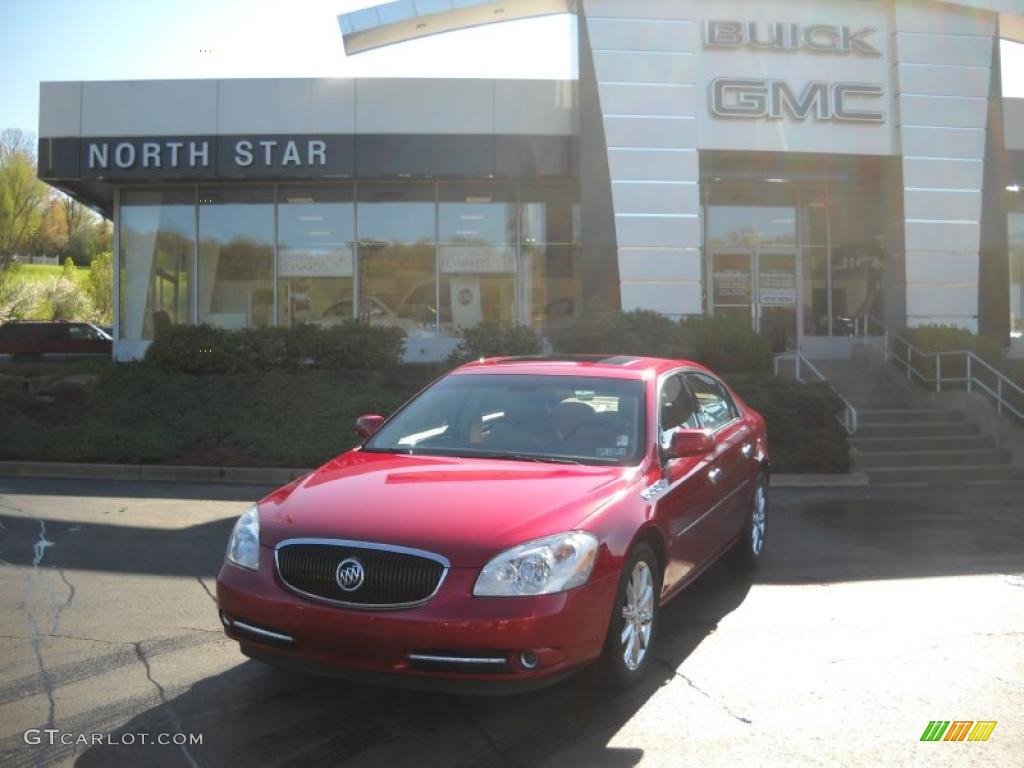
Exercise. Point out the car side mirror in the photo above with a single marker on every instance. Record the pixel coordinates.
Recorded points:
(691, 443)
(368, 424)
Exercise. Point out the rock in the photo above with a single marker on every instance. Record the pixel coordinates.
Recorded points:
(45, 398)
(87, 380)
(6, 380)
(39, 384)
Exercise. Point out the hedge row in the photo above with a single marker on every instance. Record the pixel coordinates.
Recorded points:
(205, 349)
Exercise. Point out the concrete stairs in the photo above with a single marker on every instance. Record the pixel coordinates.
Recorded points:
(906, 435)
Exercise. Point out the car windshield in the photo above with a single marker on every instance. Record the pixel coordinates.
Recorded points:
(558, 419)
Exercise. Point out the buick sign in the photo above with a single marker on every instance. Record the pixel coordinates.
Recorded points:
(780, 36)
(350, 574)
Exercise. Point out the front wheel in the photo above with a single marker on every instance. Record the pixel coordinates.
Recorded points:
(634, 618)
(750, 547)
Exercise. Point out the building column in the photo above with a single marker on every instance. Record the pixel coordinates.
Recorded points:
(645, 68)
(942, 58)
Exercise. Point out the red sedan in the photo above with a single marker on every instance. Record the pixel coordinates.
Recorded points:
(518, 519)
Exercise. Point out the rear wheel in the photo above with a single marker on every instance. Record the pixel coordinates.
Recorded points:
(634, 618)
(748, 550)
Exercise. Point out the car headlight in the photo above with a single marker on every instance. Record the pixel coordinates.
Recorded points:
(244, 544)
(539, 567)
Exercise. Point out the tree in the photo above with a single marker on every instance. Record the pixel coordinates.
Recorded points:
(99, 285)
(23, 197)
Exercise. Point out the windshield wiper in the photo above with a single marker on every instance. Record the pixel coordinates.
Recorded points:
(525, 457)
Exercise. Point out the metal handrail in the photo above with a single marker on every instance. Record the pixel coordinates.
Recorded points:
(849, 419)
(972, 361)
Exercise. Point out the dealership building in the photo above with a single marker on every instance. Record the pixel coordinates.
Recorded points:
(794, 164)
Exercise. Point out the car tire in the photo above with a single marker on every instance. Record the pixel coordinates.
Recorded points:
(749, 549)
(634, 616)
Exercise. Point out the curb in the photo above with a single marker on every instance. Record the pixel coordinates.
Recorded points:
(275, 476)
(271, 476)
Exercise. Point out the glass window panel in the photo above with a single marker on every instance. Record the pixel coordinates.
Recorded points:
(762, 215)
(549, 213)
(315, 254)
(815, 293)
(1016, 227)
(813, 217)
(857, 233)
(157, 248)
(477, 215)
(396, 213)
(478, 255)
(552, 285)
(236, 256)
(397, 252)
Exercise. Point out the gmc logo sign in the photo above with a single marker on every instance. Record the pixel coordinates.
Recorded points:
(757, 99)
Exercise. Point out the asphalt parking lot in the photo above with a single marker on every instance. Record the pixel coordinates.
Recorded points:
(876, 611)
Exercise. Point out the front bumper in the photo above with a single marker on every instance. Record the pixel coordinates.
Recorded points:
(559, 633)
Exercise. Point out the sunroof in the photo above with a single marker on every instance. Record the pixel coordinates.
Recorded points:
(603, 359)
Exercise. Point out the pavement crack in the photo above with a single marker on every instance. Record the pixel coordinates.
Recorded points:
(206, 589)
(172, 716)
(59, 636)
(705, 694)
(68, 603)
(467, 715)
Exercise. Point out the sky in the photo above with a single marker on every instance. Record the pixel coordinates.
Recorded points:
(144, 39)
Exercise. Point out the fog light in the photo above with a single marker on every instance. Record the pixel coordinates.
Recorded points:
(528, 659)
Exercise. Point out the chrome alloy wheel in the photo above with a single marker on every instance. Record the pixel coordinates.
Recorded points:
(637, 616)
(757, 520)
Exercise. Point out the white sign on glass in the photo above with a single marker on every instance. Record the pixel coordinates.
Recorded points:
(334, 263)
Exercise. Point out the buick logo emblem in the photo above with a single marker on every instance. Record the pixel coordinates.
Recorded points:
(350, 574)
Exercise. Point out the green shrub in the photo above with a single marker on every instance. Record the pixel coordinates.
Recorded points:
(949, 338)
(804, 434)
(640, 332)
(727, 345)
(493, 340)
(205, 349)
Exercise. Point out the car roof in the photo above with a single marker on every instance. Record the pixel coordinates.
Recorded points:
(604, 366)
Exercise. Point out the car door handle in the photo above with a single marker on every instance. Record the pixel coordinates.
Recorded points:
(747, 450)
(715, 475)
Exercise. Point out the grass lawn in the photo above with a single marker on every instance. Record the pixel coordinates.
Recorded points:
(42, 273)
(137, 414)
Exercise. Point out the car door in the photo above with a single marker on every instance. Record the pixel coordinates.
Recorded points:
(734, 450)
(83, 339)
(51, 340)
(688, 494)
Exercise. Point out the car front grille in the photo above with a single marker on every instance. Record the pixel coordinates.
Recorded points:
(360, 574)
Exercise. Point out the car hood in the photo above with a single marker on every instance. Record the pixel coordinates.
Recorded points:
(464, 509)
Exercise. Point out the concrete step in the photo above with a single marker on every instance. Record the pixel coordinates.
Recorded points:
(945, 474)
(936, 429)
(907, 416)
(959, 441)
(904, 459)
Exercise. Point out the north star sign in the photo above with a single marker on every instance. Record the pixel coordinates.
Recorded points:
(767, 99)
(196, 154)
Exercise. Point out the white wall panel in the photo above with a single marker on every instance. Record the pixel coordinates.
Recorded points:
(533, 107)
(648, 99)
(914, 48)
(424, 106)
(943, 80)
(654, 197)
(943, 173)
(658, 230)
(644, 67)
(942, 142)
(639, 9)
(653, 164)
(60, 110)
(652, 132)
(657, 264)
(149, 108)
(642, 34)
(944, 111)
(945, 204)
(670, 298)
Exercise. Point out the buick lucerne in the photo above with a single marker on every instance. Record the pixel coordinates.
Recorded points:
(512, 523)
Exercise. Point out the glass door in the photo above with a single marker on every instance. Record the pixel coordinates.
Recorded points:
(759, 287)
(732, 283)
(775, 308)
